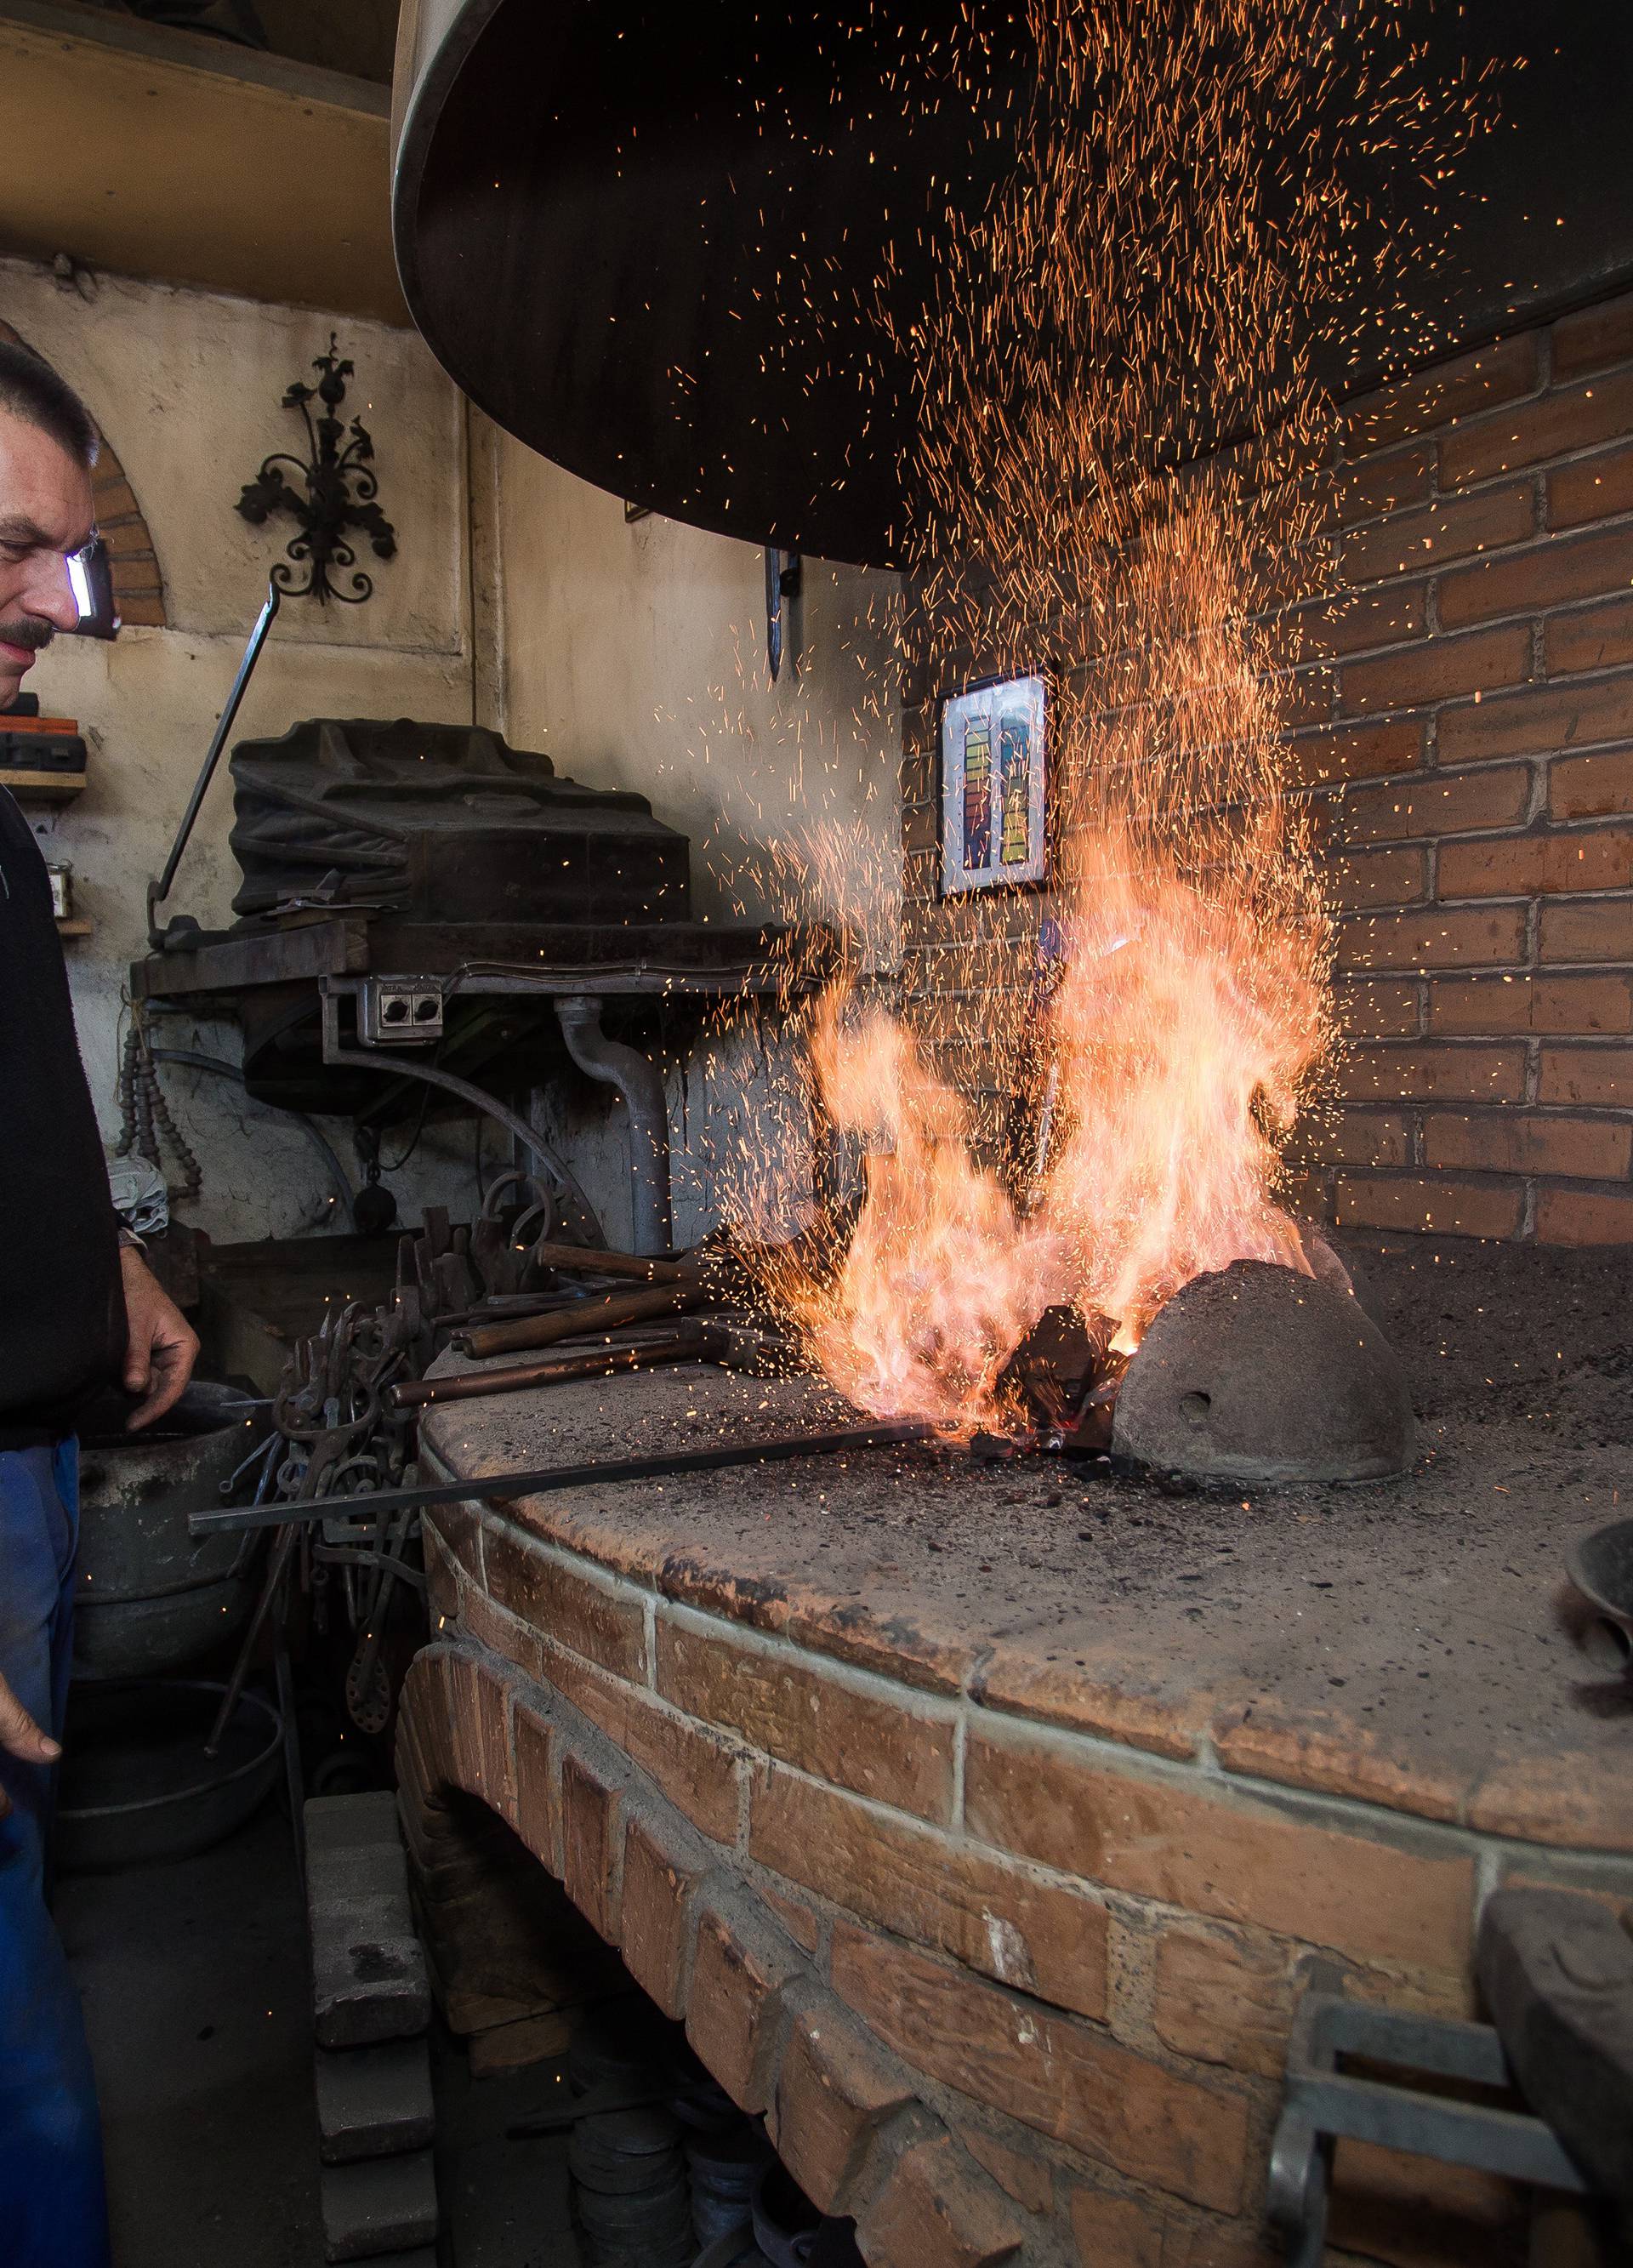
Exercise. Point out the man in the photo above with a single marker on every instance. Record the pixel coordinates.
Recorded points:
(79, 1310)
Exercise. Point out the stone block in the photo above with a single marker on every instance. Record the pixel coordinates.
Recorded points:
(374, 2103)
(380, 2205)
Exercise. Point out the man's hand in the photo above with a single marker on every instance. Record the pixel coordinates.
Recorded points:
(163, 1347)
(20, 1736)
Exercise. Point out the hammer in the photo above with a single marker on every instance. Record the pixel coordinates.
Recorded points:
(735, 1346)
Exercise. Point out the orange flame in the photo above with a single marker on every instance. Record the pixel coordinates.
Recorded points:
(941, 1279)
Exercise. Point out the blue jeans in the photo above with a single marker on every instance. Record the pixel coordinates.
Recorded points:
(53, 2202)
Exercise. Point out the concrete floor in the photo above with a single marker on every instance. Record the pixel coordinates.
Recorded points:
(198, 2004)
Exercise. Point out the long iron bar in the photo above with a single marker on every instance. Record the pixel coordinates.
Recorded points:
(499, 1487)
(159, 888)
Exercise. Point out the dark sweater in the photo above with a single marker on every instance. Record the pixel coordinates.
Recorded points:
(62, 1299)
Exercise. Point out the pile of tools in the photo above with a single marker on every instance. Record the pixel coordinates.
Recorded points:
(345, 1415)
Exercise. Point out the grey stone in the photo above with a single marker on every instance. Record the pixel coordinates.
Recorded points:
(1557, 1971)
(374, 2101)
(380, 2205)
(1255, 1372)
(369, 1977)
(345, 1822)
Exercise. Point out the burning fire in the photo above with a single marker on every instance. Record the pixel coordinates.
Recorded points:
(1139, 288)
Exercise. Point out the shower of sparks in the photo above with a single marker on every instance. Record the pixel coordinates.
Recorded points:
(1157, 270)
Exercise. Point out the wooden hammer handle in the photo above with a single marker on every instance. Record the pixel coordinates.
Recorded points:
(583, 1318)
(583, 1260)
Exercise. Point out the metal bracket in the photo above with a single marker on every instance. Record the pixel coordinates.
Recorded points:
(1322, 2105)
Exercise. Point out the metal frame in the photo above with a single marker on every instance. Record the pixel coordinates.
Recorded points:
(1323, 2105)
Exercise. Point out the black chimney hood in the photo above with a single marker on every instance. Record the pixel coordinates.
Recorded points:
(644, 237)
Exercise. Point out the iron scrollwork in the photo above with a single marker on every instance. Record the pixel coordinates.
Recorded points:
(332, 494)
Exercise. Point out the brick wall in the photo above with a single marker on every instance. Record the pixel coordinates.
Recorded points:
(1007, 1961)
(1463, 715)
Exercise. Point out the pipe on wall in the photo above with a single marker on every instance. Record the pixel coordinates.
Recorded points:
(639, 1081)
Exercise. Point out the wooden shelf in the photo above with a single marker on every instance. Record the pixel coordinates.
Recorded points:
(50, 787)
(76, 928)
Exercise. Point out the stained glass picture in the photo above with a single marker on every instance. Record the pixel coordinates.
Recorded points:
(993, 780)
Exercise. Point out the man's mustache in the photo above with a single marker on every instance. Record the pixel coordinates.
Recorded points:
(27, 630)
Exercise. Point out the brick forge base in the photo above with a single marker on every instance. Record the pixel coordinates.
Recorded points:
(1007, 1981)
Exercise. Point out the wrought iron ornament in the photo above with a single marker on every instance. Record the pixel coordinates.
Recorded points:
(333, 495)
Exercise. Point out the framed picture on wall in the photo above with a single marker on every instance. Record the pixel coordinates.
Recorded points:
(993, 778)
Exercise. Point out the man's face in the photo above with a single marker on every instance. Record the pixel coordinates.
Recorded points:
(45, 514)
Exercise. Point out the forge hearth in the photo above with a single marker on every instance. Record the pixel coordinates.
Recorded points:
(982, 1823)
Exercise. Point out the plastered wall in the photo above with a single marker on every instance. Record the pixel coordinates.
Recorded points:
(187, 386)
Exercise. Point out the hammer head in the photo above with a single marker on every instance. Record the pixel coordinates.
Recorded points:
(745, 1347)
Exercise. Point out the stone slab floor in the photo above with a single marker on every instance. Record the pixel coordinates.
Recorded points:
(194, 1981)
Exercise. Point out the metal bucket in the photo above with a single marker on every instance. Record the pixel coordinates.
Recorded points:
(147, 1598)
(137, 1784)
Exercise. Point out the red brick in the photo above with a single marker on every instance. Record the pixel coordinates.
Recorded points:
(1342, 752)
(1558, 423)
(1440, 1208)
(1304, 699)
(1451, 390)
(1054, 2075)
(875, 1743)
(140, 610)
(834, 2092)
(1575, 1798)
(1116, 2232)
(795, 1917)
(1381, 484)
(1477, 1006)
(1413, 2212)
(1588, 1149)
(1435, 803)
(695, 1770)
(537, 1814)
(1334, 1754)
(937, 2211)
(1540, 865)
(1224, 1998)
(1585, 1217)
(114, 496)
(1551, 573)
(1355, 623)
(1028, 2179)
(1384, 1073)
(478, 1700)
(442, 1588)
(135, 575)
(1591, 787)
(732, 2011)
(590, 1825)
(1043, 1938)
(1539, 720)
(1381, 878)
(1436, 936)
(1357, 1137)
(605, 1625)
(501, 1633)
(1598, 928)
(1455, 527)
(1592, 637)
(657, 1887)
(1373, 1008)
(1218, 1854)
(1602, 1076)
(1438, 668)
(1593, 338)
(1594, 488)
